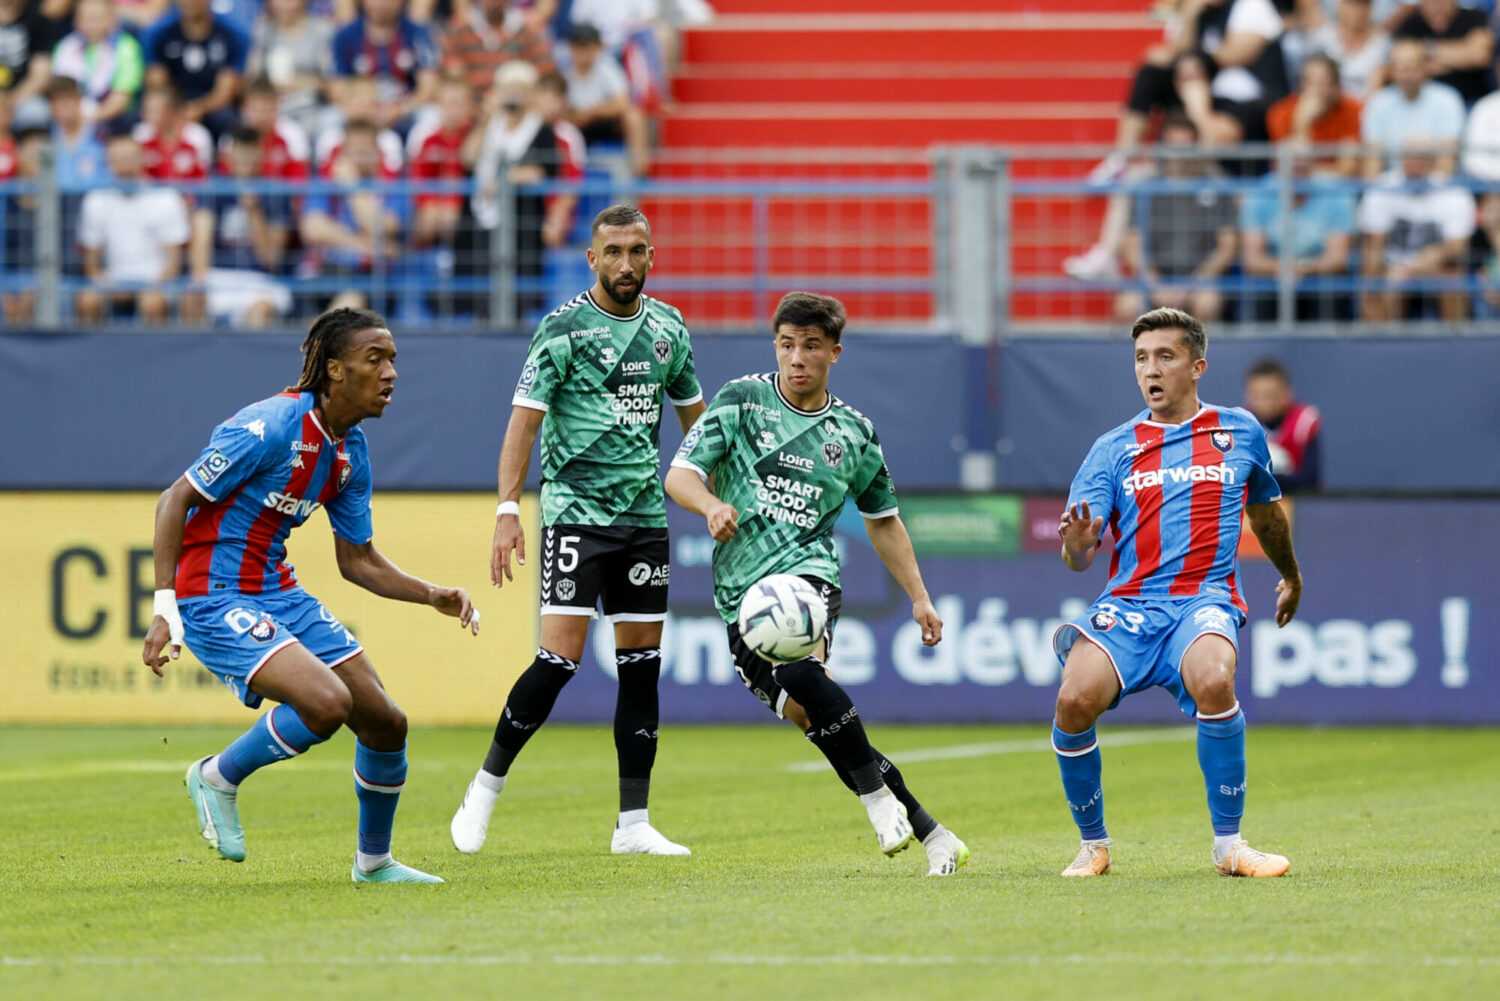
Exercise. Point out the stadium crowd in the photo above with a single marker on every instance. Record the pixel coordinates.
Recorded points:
(353, 93)
(1390, 119)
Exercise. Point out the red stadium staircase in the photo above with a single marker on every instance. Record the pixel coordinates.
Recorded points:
(788, 82)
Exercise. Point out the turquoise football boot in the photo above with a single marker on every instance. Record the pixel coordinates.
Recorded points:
(218, 814)
(393, 872)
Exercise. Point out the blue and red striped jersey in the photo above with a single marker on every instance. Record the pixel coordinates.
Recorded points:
(1173, 496)
(264, 472)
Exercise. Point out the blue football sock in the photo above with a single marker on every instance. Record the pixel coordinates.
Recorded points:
(1221, 755)
(1078, 758)
(378, 779)
(277, 735)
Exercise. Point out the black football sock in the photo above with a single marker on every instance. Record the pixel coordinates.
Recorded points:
(921, 821)
(636, 714)
(530, 702)
(835, 726)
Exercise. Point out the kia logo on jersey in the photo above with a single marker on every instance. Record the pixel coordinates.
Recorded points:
(1222, 440)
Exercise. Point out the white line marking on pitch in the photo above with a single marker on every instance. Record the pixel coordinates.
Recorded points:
(853, 959)
(1166, 735)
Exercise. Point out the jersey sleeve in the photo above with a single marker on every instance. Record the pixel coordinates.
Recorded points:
(682, 382)
(707, 441)
(873, 489)
(236, 452)
(349, 510)
(1094, 483)
(546, 367)
(1262, 487)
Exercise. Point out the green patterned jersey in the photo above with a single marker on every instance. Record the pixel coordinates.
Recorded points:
(600, 379)
(787, 472)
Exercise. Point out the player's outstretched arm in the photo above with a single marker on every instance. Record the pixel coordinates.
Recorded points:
(1274, 532)
(367, 566)
(1080, 533)
(166, 625)
(893, 545)
(515, 459)
(685, 487)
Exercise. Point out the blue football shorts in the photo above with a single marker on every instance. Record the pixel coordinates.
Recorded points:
(235, 634)
(1146, 638)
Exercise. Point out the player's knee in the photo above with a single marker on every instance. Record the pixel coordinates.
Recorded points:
(327, 709)
(1214, 686)
(395, 725)
(1078, 707)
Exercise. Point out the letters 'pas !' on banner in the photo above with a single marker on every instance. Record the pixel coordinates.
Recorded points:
(76, 581)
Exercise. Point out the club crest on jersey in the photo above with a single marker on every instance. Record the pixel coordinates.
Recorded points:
(1222, 440)
(566, 589)
(344, 472)
(1103, 622)
(264, 631)
(663, 349)
(833, 454)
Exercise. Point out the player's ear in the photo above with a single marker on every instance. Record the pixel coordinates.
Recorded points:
(335, 370)
(838, 349)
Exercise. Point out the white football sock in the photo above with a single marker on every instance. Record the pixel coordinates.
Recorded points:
(937, 831)
(369, 863)
(489, 783)
(629, 817)
(214, 777)
(1222, 843)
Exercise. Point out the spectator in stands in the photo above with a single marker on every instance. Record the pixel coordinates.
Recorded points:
(1416, 225)
(1484, 257)
(1223, 51)
(19, 235)
(359, 101)
(482, 36)
(1322, 231)
(1180, 239)
(1481, 158)
(1411, 105)
(358, 230)
(638, 37)
(600, 98)
(511, 141)
(7, 140)
(285, 153)
(397, 52)
(1293, 429)
(174, 147)
(572, 150)
(434, 152)
(133, 237)
(240, 241)
(1354, 41)
(26, 42)
(293, 49)
(77, 155)
(1320, 113)
(1457, 44)
(105, 59)
(203, 55)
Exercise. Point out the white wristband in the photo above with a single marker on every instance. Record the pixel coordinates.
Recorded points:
(508, 507)
(164, 603)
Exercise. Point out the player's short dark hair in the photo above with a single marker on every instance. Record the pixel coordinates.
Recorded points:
(1167, 318)
(329, 338)
(1268, 366)
(619, 215)
(808, 309)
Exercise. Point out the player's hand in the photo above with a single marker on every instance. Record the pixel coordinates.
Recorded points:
(1288, 597)
(509, 537)
(455, 601)
(926, 616)
(158, 636)
(723, 522)
(1079, 530)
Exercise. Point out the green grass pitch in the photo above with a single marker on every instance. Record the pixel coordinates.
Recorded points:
(107, 891)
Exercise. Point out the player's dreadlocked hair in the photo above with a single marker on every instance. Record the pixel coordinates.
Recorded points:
(1167, 318)
(808, 309)
(328, 338)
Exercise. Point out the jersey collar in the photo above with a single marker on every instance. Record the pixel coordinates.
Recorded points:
(639, 309)
(776, 384)
(1202, 407)
(313, 413)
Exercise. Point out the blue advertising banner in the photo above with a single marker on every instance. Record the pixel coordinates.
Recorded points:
(1397, 622)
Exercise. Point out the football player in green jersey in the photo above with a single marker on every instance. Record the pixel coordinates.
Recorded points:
(783, 454)
(593, 385)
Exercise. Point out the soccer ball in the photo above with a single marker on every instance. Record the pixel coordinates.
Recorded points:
(782, 618)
